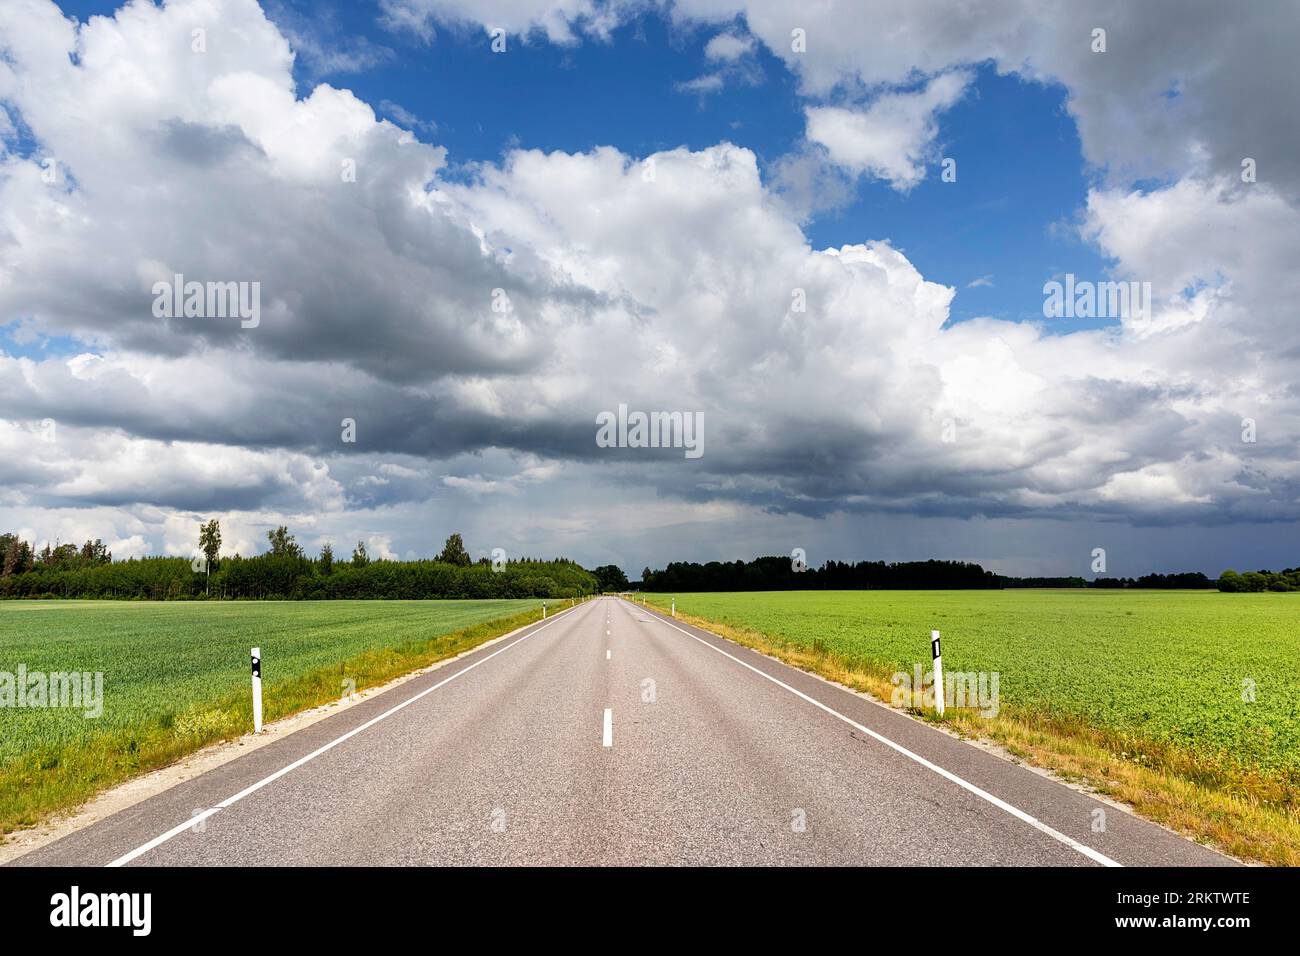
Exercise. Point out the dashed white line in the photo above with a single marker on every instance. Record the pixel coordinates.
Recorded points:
(608, 740)
(607, 654)
(1001, 804)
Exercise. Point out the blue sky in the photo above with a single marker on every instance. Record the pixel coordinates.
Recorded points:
(1012, 139)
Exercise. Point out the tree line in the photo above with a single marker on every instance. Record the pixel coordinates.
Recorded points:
(1183, 580)
(1287, 579)
(283, 572)
(611, 578)
(19, 557)
(777, 573)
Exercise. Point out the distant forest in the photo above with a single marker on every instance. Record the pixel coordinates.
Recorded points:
(775, 573)
(284, 572)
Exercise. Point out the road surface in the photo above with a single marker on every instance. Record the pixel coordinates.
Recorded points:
(613, 735)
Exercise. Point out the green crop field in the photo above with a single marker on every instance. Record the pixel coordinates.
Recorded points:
(176, 676)
(1171, 665)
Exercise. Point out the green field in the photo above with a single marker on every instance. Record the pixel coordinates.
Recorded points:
(176, 676)
(1161, 676)
(1169, 665)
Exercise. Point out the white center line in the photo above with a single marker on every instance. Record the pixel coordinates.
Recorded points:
(609, 727)
(230, 801)
(1001, 804)
(606, 655)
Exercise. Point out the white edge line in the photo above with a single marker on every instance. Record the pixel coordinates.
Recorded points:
(253, 788)
(998, 802)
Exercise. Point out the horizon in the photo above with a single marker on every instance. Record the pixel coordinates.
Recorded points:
(47, 547)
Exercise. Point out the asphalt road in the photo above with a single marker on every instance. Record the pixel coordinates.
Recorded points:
(612, 735)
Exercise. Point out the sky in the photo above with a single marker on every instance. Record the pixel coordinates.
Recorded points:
(825, 237)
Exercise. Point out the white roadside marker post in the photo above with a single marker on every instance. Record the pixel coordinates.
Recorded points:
(543, 610)
(674, 607)
(257, 690)
(938, 672)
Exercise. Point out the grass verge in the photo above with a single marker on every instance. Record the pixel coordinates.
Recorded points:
(1248, 815)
